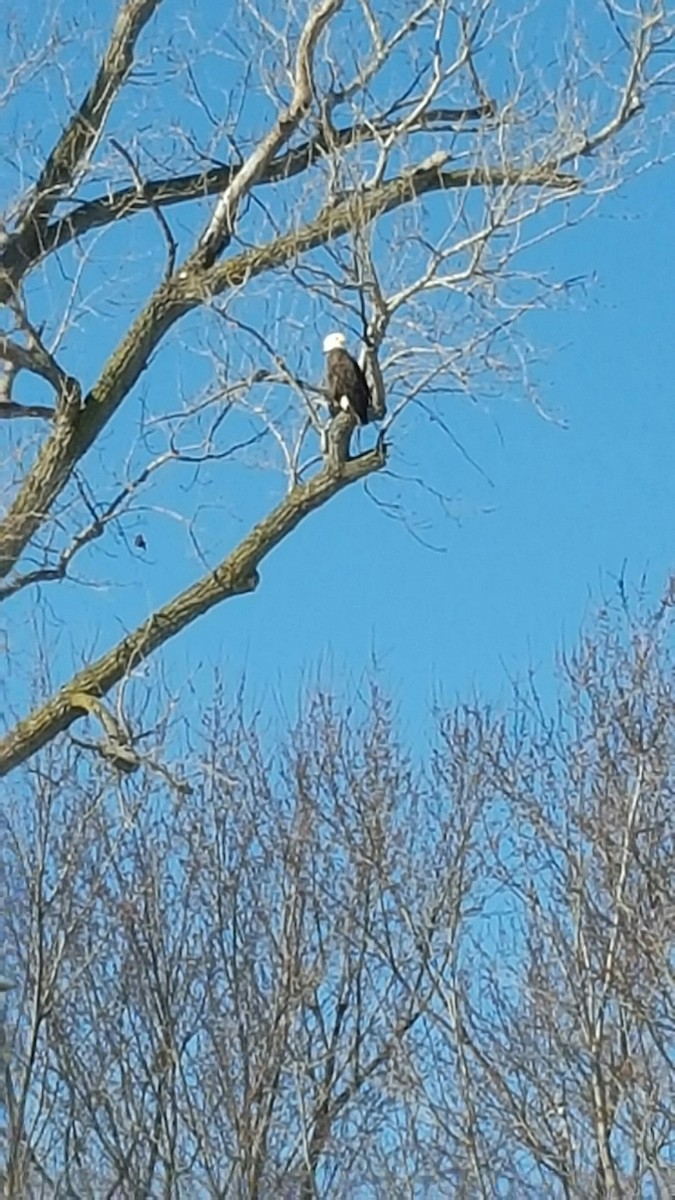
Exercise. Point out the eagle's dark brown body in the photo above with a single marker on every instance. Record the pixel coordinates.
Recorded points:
(346, 386)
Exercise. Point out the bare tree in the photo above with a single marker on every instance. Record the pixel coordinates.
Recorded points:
(319, 965)
(175, 222)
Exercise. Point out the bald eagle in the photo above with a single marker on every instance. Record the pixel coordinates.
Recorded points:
(346, 383)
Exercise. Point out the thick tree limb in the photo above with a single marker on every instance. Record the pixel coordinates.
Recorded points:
(179, 189)
(219, 229)
(77, 140)
(236, 575)
(359, 209)
(193, 286)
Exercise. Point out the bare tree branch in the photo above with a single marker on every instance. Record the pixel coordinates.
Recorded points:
(76, 142)
(290, 976)
(11, 410)
(192, 286)
(218, 232)
(179, 189)
(236, 575)
(36, 358)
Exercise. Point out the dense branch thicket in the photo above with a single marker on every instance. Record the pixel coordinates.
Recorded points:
(188, 207)
(315, 964)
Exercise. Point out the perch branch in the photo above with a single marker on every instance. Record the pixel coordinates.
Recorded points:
(234, 576)
(190, 288)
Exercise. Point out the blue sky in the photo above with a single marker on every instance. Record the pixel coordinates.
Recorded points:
(527, 560)
(519, 562)
(522, 563)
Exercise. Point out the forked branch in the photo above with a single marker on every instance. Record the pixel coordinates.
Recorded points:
(180, 189)
(75, 143)
(219, 229)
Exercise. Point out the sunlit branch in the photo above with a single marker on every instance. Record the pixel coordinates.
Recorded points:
(219, 230)
(631, 100)
(236, 575)
(383, 52)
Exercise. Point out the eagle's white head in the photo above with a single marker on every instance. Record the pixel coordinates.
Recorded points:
(334, 341)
